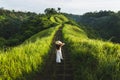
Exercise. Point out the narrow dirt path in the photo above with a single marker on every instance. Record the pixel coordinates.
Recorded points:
(57, 71)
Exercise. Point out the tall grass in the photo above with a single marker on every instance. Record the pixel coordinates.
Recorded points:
(22, 62)
(92, 59)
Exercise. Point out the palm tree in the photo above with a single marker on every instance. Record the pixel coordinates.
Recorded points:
(59, 9)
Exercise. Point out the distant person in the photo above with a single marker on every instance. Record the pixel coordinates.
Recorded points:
(59, 56)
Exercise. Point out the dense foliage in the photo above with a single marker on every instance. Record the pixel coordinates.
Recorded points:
(104, 23)
(92, 59)
(15, 27)
(24, 61)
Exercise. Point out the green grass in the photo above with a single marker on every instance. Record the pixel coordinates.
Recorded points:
(58, 19)
(2, 18)
(22, 62)
(92, 59)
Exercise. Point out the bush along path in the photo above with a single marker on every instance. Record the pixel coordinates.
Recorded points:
(57, 71)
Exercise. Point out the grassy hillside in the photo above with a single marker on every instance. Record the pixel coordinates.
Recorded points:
(106, 24)
(92, 59)
(22, 62)
(16, 27)
(58, 19)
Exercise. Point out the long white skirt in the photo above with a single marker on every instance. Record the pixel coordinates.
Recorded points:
(59, 56)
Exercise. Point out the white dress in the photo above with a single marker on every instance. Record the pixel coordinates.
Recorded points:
(59, 56)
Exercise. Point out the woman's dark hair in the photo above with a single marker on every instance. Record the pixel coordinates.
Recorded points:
(58, 46)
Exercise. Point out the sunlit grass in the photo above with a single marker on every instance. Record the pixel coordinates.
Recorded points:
(23, 61)
(92, 59)
(58, 18)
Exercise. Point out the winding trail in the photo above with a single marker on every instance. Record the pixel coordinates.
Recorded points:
(57, 71)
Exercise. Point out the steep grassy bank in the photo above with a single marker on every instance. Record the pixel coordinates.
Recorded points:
(92, 59)
(23, 61)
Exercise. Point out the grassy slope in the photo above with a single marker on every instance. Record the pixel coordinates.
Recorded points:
(23, 61)
(92, 59)
(26, 58)
(58, 19)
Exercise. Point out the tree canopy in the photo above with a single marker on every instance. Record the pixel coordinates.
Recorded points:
(105, 23)
(15, 27)
(50, 11)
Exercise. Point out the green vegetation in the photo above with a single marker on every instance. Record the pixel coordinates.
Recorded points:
(58, 19)
(50, 11)
(21, 63)
(106, 24)
(24, 61)
(16, 27)
(92, 59)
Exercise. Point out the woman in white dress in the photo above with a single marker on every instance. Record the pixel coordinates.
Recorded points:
(59, 56)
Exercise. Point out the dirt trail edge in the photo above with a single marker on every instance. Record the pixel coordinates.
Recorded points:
(57, 71)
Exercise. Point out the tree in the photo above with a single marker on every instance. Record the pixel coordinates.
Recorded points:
(50, 11)
(59, 9)
(2, 42)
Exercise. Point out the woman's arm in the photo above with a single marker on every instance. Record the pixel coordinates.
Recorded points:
(62, 44)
